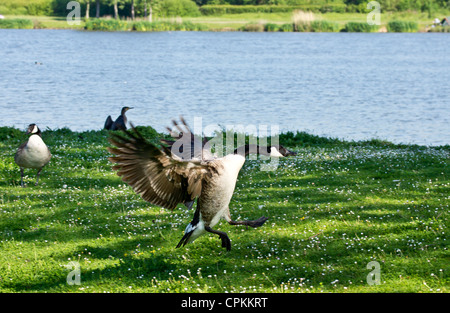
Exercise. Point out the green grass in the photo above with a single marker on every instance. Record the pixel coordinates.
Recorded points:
(47, 22)
(332, 209)
(17, 23)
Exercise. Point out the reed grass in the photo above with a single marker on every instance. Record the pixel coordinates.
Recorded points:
(302, 20)
(324, 26)
(107, 25)
(16, 23)
(358, 27)
(142, 26)
(167, 26)
(402, 26)
(288, 27)
(271, 27)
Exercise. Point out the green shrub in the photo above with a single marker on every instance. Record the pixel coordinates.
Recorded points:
(270, 27)
(287, 28)
(169, 8)
(17, 23)
(106, 25)
(316, 26)
(402, 26)
(239, 9)
(26, 7)
(39, 7)
(167, 26)
(333, 7)
(357, 27)
(9, 132)
(324, 26)
(301, 27)
(150, 26)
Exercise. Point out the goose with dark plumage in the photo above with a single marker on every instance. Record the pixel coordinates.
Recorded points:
(33, 153)
(119, 123)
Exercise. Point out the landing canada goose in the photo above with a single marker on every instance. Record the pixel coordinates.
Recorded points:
(33, 153)
(119, 123)
(162, 179)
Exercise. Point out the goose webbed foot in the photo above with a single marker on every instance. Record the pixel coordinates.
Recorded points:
(258, 222)
(226, 243)
(253, 223)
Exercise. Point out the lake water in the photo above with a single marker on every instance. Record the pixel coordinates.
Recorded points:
(351, 86)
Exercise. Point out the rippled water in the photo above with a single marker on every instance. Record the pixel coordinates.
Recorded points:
(352, 86)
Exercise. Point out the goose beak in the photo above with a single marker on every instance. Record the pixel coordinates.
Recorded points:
(32, 128)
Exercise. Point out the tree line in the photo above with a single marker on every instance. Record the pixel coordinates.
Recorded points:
(113, 8)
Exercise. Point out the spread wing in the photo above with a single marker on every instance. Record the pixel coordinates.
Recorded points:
(186, 145)
(153, 173)
(108, 122)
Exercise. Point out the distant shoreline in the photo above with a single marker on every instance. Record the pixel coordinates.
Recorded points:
(248, 22)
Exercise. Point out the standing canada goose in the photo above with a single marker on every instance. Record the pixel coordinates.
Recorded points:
(119, 123)
(162, 179)
(33, 153)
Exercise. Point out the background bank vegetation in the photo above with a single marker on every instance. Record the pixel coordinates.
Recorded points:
(245, 15)
(135, 8)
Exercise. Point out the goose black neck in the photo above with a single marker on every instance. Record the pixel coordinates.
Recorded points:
(37, 133)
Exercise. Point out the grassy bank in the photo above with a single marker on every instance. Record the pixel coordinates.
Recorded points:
(17, 23)
(261, 21)
(332, 209)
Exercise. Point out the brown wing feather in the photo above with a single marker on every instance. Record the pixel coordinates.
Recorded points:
(154, 174)
(189, 146)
